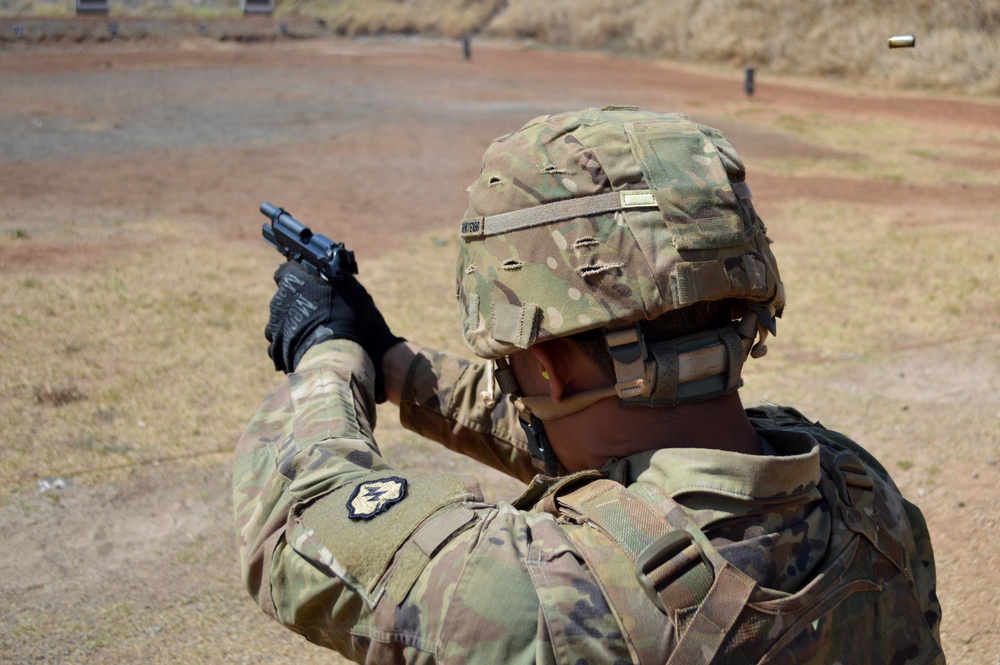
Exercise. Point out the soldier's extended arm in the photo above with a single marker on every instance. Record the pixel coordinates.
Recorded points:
(438, 396)
(365, 559)
(293, 449)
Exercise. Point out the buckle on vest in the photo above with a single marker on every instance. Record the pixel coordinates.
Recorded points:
(657, 553)
(661, 551)
(850, 473)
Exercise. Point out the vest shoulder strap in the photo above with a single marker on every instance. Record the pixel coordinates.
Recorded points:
(654, 537)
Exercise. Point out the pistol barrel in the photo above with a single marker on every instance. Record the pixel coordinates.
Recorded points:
(319, 255)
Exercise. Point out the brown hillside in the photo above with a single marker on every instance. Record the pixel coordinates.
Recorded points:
(956, 48)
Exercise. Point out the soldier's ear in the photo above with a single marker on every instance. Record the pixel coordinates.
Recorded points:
(555, 365)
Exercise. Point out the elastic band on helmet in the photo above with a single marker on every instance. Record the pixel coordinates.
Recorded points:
(557, 211)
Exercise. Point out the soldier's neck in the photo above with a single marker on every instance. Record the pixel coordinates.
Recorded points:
(588, 439)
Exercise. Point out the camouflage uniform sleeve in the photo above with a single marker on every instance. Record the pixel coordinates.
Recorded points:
(911, 525)
(441, 402)
(310, 435)
(918, 539)
(434, 574)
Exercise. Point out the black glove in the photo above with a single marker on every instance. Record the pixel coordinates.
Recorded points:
(307, 310)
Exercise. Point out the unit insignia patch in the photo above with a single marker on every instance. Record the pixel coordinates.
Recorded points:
(374, 497)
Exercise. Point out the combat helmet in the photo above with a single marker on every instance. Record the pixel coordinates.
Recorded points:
(604, 218)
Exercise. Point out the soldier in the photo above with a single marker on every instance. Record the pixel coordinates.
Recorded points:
(614, 276)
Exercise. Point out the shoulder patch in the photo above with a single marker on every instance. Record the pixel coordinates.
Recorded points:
(374, 497)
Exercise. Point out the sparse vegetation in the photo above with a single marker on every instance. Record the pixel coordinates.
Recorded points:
(957, 46)
(441, 18)
(956, 41)
(152, 350)
(58, 396)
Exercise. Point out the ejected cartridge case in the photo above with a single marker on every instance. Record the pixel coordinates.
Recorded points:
(902, 41)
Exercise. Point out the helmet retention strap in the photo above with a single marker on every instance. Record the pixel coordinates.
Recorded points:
(500, 374)
(628, 352)
(685, 369)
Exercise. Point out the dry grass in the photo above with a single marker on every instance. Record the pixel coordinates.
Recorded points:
(98, 373)
(448, 18)
(848, 265)
(957, 46)
(924, 273)
(876, 148)
(956, 41)
(159, 354)
(39, 8)
(204, 9)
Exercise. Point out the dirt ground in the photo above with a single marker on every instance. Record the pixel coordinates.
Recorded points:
(383, 136)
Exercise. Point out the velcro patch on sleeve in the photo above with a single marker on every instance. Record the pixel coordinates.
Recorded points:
(355, 531)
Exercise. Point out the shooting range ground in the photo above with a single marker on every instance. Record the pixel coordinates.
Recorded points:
(134, 285)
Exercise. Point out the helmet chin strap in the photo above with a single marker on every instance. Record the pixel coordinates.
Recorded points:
(499, 373)
(547, 408)
(542, 406)
(533, 410)
(542, 455)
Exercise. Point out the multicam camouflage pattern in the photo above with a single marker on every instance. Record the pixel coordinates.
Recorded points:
(835, 557)
(701, 242)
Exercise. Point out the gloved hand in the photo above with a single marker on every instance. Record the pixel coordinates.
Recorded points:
(307, 310)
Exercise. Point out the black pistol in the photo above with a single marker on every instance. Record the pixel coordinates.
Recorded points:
(319, 255)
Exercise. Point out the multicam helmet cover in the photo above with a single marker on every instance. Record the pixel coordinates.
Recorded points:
(601, 219)
(675, 226)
